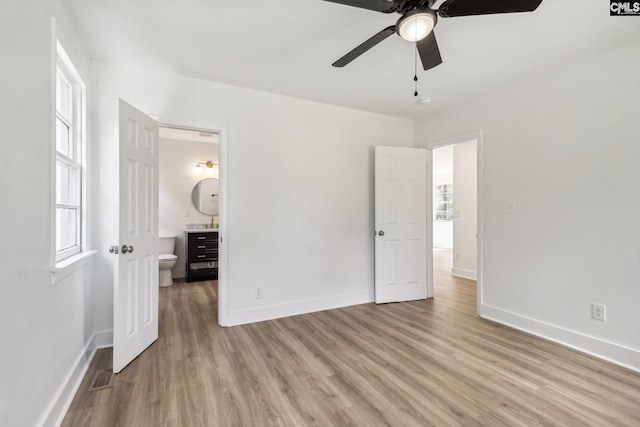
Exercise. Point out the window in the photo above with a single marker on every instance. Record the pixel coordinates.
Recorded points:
(443, 202)
(69, 144)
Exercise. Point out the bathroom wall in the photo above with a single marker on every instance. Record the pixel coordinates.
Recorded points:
(176, 180)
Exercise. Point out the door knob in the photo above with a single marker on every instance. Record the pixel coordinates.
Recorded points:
(126, 249)
(381, 233)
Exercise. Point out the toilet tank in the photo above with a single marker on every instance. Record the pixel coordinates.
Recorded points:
(167, 244)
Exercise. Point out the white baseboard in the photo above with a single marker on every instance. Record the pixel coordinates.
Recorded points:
(57, 409)
(178, 273)
(104, 339)
(465, 274)
(615, 353)
(259, 314)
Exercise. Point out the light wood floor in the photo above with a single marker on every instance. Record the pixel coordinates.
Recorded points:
(424, 363)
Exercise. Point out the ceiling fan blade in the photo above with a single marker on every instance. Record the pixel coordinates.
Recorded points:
(377, 5)
(429, 52)
(365, 46)
(452, 8)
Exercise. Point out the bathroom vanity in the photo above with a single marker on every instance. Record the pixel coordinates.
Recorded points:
(201, 254)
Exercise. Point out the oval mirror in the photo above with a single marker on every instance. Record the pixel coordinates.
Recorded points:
(205, 196)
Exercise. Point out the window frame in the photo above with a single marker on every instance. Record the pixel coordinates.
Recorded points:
(75, 158)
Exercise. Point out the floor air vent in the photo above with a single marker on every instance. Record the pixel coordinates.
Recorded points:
(102, 379)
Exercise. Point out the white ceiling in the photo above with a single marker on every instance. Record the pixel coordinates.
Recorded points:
(288, 46)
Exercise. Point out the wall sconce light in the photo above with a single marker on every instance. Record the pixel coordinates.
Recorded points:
(206, 167)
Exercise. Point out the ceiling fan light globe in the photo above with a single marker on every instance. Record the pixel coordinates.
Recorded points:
(414, 27)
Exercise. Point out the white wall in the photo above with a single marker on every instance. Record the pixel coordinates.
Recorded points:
(46, 331)
(176, 181)
(563, 144)
(443, 174)
(300, 193)
(465, 209)
(443, 234)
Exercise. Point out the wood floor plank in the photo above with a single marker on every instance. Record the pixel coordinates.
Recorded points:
(421, 363)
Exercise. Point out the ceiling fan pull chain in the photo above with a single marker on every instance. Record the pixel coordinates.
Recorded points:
(415, 70)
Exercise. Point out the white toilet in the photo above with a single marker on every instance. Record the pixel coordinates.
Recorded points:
(166, 259)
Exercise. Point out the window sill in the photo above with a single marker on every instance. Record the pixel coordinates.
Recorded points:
(67, 266)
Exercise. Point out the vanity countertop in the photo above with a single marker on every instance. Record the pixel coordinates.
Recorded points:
(202, 230)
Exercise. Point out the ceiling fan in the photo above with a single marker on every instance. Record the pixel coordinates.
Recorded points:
(418, 19)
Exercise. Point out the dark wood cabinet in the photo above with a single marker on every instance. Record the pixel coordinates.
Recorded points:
(202, 255)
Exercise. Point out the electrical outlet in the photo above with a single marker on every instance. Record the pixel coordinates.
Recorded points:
(598, 312)
(258, 293)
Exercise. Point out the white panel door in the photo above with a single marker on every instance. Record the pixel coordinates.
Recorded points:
(401, 224)
(135, 323)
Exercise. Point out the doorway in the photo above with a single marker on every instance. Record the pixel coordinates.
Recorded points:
(137, 269)
(442, 212)
(191, 159)
(455, 249)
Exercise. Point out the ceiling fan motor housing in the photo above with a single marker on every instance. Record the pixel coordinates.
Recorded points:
(416, 24)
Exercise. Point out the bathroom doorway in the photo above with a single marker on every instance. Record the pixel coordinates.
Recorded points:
(190, 160)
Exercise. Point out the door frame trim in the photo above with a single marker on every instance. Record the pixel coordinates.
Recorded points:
(223, 217)
(478, 136)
